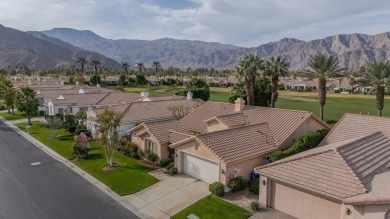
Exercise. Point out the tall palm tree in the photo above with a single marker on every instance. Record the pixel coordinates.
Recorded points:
(8, 94)
(27, 102)
(156, 65)
(248, 69)
(323, 67)
(276, 67)
(140, 67)
(96, 63)
(82, 60)
(125, 65)
(378, 74)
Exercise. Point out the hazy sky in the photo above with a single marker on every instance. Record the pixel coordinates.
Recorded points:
(238, 22)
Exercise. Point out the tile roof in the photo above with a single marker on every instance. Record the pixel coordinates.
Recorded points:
(80, 99)
(119, 98)
(282, 122)
(230, 120)
(231, 145)
(340, 170)
(161, 130)
(353, 125)
(141, 111)
(177, 136)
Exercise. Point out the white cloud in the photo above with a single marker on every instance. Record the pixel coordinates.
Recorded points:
(244, 23)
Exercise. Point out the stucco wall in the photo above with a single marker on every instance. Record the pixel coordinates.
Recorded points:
(214, 125)
(243, 168)
(124, 127)
(366, 211)
(309, 125)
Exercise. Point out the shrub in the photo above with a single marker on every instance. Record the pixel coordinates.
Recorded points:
(141, 153)
(303, 142)
(254, 186)
(170, 166)
(71, 129)
(165, 162)
(237, 184)
(80, 146)
(151, 157)
(130, 150)
(217, 189)
(80, 127)
(172, 171)
(255, 206)
(123, 141)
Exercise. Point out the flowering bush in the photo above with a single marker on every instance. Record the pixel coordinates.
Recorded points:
(80, 146)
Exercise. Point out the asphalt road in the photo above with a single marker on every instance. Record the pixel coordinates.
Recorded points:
(49, 190)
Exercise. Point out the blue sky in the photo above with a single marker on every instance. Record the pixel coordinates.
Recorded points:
(246, 23)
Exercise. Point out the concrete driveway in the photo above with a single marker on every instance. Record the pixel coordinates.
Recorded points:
(169, 196)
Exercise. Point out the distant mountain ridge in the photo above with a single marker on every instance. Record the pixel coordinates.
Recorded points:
(352, 49)
(38, 51)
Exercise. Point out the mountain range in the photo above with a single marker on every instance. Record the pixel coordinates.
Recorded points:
(62, 46)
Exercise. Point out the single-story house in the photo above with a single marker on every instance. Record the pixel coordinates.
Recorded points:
(137, 112)
(347, 179)
(284, 124)
(224, 154)
(156, 136)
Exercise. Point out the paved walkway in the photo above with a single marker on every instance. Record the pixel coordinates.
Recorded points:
(169, 196)
(16, 121)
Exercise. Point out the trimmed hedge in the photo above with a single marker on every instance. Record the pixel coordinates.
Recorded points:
(217, 189)
(303, 142)
(238, 184)
(165, 162)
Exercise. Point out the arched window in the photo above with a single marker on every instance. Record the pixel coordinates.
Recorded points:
(387, 215)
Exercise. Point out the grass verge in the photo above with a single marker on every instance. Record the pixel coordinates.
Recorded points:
(129, 178)
(212, 207)
(9, 116)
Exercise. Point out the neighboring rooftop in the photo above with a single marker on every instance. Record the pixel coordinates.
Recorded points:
(340, 170)
(353, 125)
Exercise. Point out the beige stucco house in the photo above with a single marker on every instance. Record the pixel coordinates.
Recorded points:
(156, 136)
(346, 177)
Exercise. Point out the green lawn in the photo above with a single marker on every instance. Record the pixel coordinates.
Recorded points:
(9, 116)
(213, 207)
(162, 90)
(129, 178)
(335, 107)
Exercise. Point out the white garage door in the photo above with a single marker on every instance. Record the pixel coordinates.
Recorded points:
(302, 205)
(199, 168)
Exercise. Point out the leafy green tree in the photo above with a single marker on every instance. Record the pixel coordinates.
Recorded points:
(82, 60)
(8, 94)
(263, 94)
(27, 102)
(275, 67)
(122, 79)
(80, 79)
(323, 67)
(81, 115)
(140, 79)
(94, 80)
(378, 74)
(248, 69)
(109, 122)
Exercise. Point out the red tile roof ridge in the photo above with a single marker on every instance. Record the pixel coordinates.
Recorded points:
(231, 129)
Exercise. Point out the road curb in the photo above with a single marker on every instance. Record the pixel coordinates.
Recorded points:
(78, 170)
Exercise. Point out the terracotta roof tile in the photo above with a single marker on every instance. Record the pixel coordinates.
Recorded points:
(161, 130)
(340, 170)
(353, 125)
(177, 136)
(282, 122)
(231, 145)
(231, 120)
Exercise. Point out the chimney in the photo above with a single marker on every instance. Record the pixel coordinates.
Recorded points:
(146, 94)
(62, 82)
(77, 83)
(142, 93)
(189, 95)
(97, 85)
(239, 104)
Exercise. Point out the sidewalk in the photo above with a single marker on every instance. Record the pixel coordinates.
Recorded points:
(121, 200)
(40, 119)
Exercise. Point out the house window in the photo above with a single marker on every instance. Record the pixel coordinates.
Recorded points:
(149, 145)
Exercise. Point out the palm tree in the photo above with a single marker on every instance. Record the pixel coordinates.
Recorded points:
(125, 65)
(140, 66)
(276, 67)
(8, 94)
(323, 67)
(156, 64)
(82, 60)
(96, 63)
(378, 74)
(27, 102)
(109, 122)
(248, 70)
